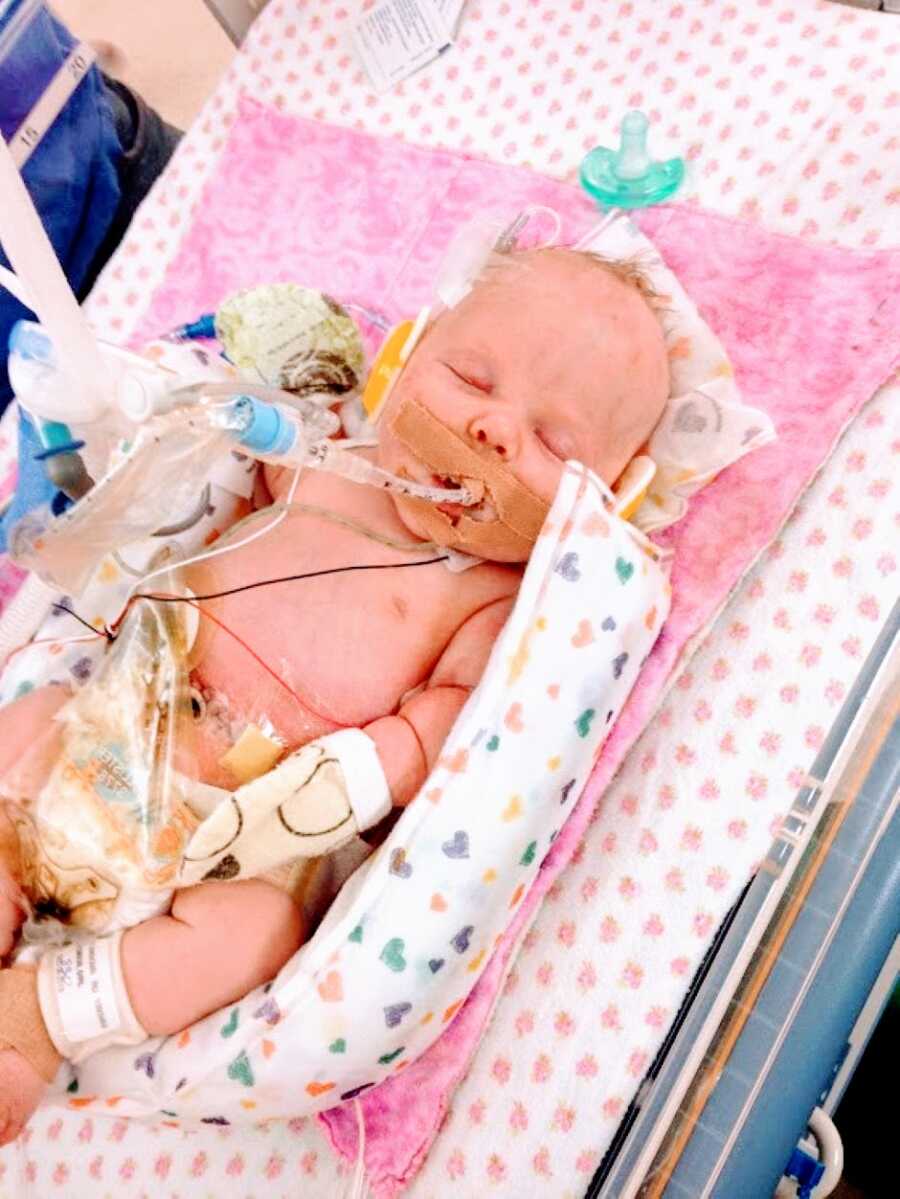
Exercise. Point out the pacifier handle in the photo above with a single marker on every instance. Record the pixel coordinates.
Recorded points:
(632, 159)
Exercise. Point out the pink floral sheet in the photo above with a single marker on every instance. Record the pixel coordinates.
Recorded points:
(572, 1035)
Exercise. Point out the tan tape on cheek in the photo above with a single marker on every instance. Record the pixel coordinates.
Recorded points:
(490, 539)
(519, 509)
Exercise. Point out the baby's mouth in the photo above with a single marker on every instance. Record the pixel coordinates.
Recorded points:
(483, 510)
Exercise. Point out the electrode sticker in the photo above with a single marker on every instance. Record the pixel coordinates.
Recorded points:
(395, 38)
(85, 990)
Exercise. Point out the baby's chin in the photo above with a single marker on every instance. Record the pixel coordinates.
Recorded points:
(504, 547)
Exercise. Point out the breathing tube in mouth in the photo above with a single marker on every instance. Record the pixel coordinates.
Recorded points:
(280, 434)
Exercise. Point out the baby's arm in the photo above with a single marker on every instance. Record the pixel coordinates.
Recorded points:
(29, 740)
(410, 742)
(223, 938)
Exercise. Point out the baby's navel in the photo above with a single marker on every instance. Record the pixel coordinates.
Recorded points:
(401, 606)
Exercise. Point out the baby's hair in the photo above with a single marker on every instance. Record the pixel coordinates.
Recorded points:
(627, 270)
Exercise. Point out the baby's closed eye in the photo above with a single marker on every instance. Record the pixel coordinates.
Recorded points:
(558, 442)
(472, 376)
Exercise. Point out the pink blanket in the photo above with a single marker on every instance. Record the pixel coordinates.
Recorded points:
(811, 330)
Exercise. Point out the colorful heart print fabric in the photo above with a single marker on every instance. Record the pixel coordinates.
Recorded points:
(405, 942)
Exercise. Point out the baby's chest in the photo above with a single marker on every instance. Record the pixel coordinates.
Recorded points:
(359, 638)
(333, 629)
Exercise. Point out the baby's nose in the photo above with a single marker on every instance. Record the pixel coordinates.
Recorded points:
(498, 431)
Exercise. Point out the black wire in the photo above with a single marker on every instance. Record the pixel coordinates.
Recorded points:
(313, 574)
(100, 632)
(190, 599)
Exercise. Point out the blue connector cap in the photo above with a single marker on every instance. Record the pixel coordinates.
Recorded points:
(807, 1170)
(265, 431)
(28, 340)
(57, 439)
(203, 328)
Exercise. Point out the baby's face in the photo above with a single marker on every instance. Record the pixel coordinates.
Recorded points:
(548, 358)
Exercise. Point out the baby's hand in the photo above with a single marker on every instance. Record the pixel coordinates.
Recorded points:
(11, 913)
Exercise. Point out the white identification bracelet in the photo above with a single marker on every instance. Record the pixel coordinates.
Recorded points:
(83, 998)
(85, 991)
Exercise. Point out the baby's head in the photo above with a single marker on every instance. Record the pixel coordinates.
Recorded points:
(553, 354)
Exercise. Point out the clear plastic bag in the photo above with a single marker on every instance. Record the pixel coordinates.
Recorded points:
(102, 840)
(157, 479)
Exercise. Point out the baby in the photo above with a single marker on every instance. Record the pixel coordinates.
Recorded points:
(553, 355)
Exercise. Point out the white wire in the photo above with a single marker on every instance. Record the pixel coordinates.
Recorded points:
(359, 1187)
(355, 443)
(220, 549)
(608, 218)
(533, 210)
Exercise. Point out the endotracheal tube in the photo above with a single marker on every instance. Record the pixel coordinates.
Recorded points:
(287, 435)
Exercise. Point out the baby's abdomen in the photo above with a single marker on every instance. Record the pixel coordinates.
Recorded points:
(307, 657)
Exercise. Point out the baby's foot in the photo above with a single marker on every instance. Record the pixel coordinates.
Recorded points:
(21, 1090)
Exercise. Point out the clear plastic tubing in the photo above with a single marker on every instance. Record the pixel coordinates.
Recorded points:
(288, 436)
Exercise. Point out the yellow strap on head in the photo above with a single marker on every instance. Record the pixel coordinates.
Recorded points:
(390, 361)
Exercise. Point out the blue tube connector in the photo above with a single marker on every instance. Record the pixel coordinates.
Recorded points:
(807, 1171)
(204, 328)
(263, 427)
(28, 340)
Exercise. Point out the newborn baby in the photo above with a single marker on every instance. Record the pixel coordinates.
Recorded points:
(553, 355)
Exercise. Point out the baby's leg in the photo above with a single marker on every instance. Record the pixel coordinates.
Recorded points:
(221, 940)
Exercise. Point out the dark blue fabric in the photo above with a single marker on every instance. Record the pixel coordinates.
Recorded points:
(72, 177)
(72, 173)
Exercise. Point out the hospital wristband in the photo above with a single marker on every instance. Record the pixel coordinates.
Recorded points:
(84, 1000)
(368, 792)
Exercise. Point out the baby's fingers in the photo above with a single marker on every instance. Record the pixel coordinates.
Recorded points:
(11, 917)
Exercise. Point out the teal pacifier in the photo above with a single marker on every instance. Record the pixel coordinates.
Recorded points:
(629, 177)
